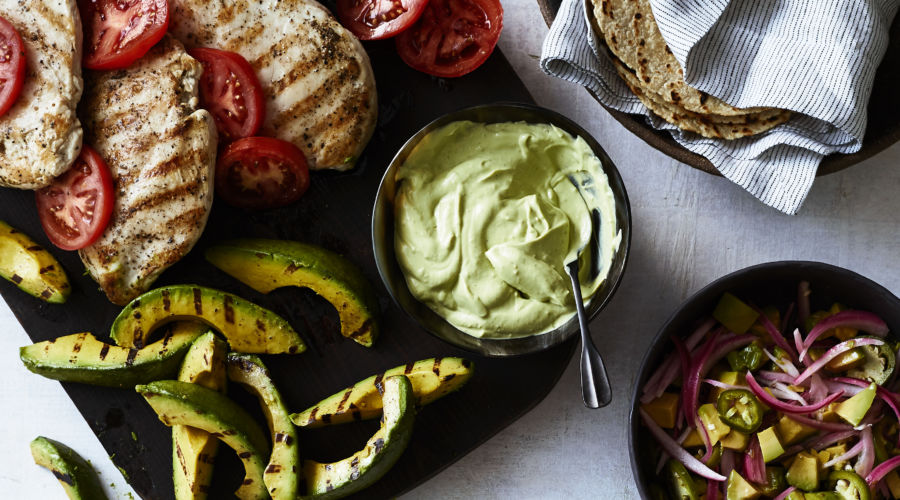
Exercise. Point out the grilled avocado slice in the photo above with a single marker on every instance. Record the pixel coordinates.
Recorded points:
(265, 265)
(363, 468)
(75, 475)
(431, 380)
(183, 403)
(83, 358)
(247, 326)
(30, 267)
(281, 475)
(194, 450)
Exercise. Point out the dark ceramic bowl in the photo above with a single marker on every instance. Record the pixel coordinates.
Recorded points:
(772, 283)
(389, 268)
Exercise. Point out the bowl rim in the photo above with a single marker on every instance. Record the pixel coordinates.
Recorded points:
(521, 345)
(633, 422)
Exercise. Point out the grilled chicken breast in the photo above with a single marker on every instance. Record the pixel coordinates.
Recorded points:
(316, 76)
(40, 136)
(161, 149)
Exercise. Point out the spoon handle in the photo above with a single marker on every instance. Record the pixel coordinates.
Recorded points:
(595, 387)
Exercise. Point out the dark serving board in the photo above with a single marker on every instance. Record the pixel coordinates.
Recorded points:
(882, 127)
(334, 213)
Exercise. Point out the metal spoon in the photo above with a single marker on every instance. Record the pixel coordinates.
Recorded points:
(595, 387)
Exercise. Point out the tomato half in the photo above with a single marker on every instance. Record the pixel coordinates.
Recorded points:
(453, 37)
(76, 208)
(257, 173)
(12, 65)
(230, 91)
(378, 19)
(119, 32)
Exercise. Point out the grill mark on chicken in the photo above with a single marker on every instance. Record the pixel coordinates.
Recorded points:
(40, 135)
(160, 148)
(316, 77)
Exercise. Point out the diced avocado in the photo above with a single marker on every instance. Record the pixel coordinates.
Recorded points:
(735, 315)
(804, 472)
(775, 481)
(844, 333)
(33, 269)
(83, 358)
(773, 315)
(853, 410)
(715, 456)
(715, 427)
(836, 451)
(770, 444)
(76, 476)
(828, 414)
(183, 403)
(796, 495)
(194, 450)
(844, 361)
(431, 380)
(247, 326)
(384, 448)
(792, 432)
(735, 440)
(893, 483)
(692, 440)
(281, 477)
(740, 489)
(680, 482)
(663, 409)
(266, 265)
(878, 365)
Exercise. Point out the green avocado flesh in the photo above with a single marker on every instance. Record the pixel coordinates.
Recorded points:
(384, 448)
(194, 450)
(247, 326)
(431, 380)
(75, 475)
(266, 265)
(80, 357)
(33, 269)
(281, 476)
(183, 403)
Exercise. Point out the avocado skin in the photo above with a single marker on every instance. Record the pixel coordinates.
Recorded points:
(384, 448)
(83, 358)
(183, 403)
(265, 265)
(431, 380)
(281, 476)
(32, 268)
(247, 326)
(75, 475)
(193, 449)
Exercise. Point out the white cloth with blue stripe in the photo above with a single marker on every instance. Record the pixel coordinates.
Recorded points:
(817, 58)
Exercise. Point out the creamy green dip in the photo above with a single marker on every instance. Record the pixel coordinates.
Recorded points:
(486, 218)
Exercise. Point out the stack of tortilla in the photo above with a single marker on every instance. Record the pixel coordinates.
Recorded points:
(648, 67)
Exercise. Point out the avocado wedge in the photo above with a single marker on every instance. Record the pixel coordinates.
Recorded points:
(30, 267)
(363, 468)
(265, 265)
(247, 326)
(431, 380)
(194, 450)
(75, 475)
(83, 358)
(183, 403)
(281, 476)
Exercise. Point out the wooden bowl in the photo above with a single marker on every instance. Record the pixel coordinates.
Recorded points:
(882, 128)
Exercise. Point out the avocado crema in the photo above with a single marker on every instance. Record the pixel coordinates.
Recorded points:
(486, 218)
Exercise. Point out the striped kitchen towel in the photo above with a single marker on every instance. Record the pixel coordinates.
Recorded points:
(817, 58)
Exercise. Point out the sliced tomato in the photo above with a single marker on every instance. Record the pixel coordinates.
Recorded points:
(119, 32)
(453, 37)
(257, 173)
(12, 65)
(230, 91)
(76, 208)
(378, 19)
